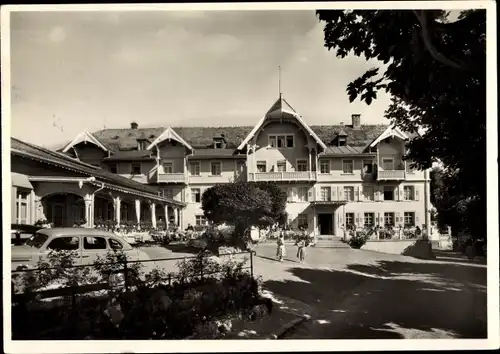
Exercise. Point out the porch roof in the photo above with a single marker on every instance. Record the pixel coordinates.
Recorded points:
(329, 202)
(113, 181)
(20, 180)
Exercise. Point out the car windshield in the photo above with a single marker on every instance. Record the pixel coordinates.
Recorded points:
(37, 240)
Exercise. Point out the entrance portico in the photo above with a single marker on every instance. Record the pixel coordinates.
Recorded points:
(327, 218)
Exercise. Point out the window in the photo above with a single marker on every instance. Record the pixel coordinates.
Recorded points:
(64, 243)
(114, 244)
(302, 194)
(342, 141)
(367, 166)
(347, 166)
(141, 145)
(194, 168)
(388, 164)
(113, 168)
(261, 166)
(409, 192)
(240, 166)
(281, 166)
(218, 144)
(325, 193)
(168, 167)
(388, 193)
(349, 194)
(94, 243)
(409, 218)
(301, 165)
(168, 193)
(324, 166)
(369, 219)
(368, 193)
(200, 220)
(135, 169)
(349, 219)
(22, 207)
(302, 221)
(281, 141)
(389, 219)
(216, 168)
(195, 195)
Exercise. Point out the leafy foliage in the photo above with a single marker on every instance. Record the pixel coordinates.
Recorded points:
(358, 240)
(435, 72)
(245, 204)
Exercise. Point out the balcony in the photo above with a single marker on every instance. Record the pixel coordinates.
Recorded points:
(283, 176)
(171, 178)
(391, 175)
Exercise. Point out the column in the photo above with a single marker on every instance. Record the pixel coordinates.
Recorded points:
(153, 214)
(176, 217)
(138, 211)
(117, 204)
(315, 223)
(309, 165)
(166, 216)
(31, 204)
(89, 210)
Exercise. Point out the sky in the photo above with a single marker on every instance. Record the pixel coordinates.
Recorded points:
(75, 71)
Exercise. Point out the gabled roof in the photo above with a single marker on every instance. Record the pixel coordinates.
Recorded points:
(280, 109)
(85, 137)
(169, 134)
(344, 150)
(37, 153)
(389, 132)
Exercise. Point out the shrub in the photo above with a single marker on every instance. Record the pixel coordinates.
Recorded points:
(357, 241)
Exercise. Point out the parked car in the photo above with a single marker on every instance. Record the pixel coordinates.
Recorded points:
(89, 244)
(19, 233)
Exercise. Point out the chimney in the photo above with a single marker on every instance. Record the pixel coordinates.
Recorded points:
(356, 121)
(134, 125)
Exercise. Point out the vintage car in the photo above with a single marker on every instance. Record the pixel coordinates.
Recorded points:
(19, 233)
(88, 243)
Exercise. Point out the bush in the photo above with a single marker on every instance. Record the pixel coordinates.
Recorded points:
(357, 241)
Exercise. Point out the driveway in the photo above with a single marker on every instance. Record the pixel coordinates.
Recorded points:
(356, 294)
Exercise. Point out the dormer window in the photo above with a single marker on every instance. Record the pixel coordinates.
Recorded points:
(218, 145)
(219, 141)
(142, 144)
(342, 141)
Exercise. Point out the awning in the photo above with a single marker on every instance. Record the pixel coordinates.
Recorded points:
(329, 202)
(19, 180)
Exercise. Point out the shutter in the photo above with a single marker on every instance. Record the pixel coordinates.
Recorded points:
(310, 194)
(294, 194)
(356, 194)
(356, 221)
(361, 220)
(417, 219)
(341, 193)
(401, 192)
(417, 194)
(334, 194)
(340, 220)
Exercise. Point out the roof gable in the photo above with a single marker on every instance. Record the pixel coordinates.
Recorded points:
(389, 132)
(279, 109)
(85, 137)
(169, 134)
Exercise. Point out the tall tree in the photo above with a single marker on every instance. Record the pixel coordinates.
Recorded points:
(435, 72)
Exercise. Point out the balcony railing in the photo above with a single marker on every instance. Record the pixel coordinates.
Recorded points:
(171, 178)
(390, 175)
(283, 176)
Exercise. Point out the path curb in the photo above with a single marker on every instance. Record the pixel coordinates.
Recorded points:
(289, 326)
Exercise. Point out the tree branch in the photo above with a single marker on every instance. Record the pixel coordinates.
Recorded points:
(438, 56)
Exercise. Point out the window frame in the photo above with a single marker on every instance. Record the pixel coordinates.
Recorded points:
(370, 164)
(94, 249)
(79, 246)
(167, 162)
(366, 218)
(349, 188)
(306, 194)
(281, 163)
(115, 166)
(393, 193)
(321, 163)
(392, 216)
(412, 196)
(20, 202)
(410, 214)
(200, 220)
(195, 163)
(329, 196)
(305, 217)
(372, 194)
(132, 168)
(344, 161)
(273, 141)
(299, 162)
(212, 163)
(194, 194)
(261, 163)
(384, 159)
(347, 216)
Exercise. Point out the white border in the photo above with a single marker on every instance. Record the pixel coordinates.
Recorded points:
(274, 346)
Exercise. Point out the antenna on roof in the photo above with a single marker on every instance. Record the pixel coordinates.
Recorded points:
(279, 80)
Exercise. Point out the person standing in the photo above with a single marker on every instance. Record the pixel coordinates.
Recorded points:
(301, 250)
(280, 251)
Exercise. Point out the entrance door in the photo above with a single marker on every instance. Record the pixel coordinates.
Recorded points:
(325, 222)
(58, 215)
